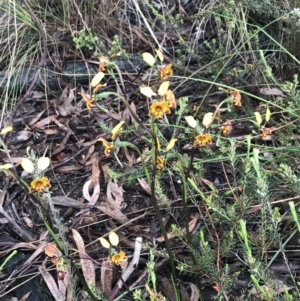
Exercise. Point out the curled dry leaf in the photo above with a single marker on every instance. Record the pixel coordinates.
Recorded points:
(57, 295)
(114, 193)
(93, 183)
(145, 185)
(86, 264)
(90, 153)
(129, 157)
(67, 202)
(36, 118)
(21, 245)
(45, 121)
(168, 289)
(113, 212)
(106, 278)
(92, 199)
(195, 295)
(63, 285)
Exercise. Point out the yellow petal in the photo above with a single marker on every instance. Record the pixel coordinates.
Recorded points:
(43, 163)
(105, 142)
(113, 238)
(104, 243)
(208, 119)
(158, 144)
(148, 58)
(116, 130)
(171, 144)
(86, 97)
(258, 118)
(163, 88)
(98, 87)
(268, 114)
(27, 165)
(147, 91)
(160, 55)
(191, 121)
(97, 79)
(6, 166)
(6, 130)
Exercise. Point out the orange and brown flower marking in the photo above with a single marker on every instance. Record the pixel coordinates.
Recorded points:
(160, 163)
(39, 185)
(202, 140)
(158, 109)
(165, 71)
(118, 258)
(226, 128)
(237, 98)
(89, 100)
(265, 132)
(108, 147)
(103, 60)
(170, 99)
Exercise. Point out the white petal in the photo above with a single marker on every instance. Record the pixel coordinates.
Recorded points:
(97, 79)
(258, 118)
(191, 121)
(208, 119)
(105, 244)
(27, 165)
(160, 55)
(113, 238)
(43, 163)
(148, 58)
(268, 114)
(147, 91)
(163, 88)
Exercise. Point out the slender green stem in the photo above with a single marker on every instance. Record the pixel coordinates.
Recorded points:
(158, 214)
(12, 254)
